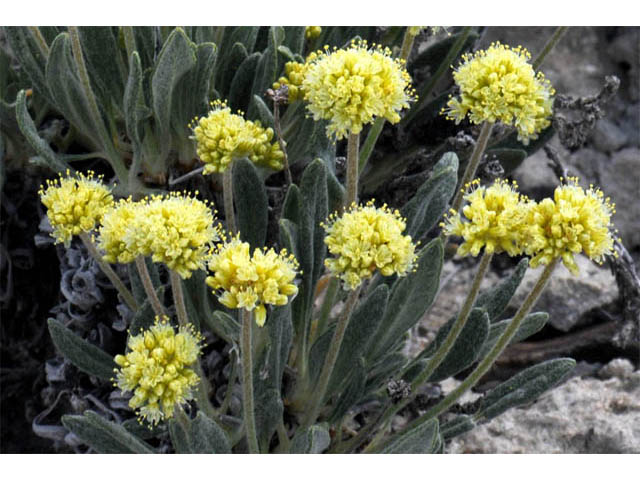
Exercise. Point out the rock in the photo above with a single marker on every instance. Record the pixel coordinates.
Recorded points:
(585, 415)
(568, 297)
(608, 137)
(587, 163)
(625, 49)
(621, 181)
(534, 176)
(617, 368)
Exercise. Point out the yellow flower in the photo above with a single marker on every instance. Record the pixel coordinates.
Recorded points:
(349, 87)
(176, 230)
(113, 232)
(495, 220)
(312, 32)
(75, 204)
(498, 84)
(222, 136)
(366, 239)
(251, 281)
(294, 75)
(158, 369)
(574, 221)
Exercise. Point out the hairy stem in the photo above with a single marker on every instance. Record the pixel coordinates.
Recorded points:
(147, 284)
(331, 358)
(247, 382)
(436, 359)
(281, 142)
(552, 42)
(353, 144)
(484, 366)
(474, 161)
(124, 292)
(227, 193)
(42, 43)
(129, 40)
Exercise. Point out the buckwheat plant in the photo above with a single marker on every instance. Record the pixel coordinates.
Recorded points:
(307, 298)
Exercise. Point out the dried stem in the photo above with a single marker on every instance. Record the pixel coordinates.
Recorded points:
(353, 144)
(247, 382)
(124, 292)
(227, 193)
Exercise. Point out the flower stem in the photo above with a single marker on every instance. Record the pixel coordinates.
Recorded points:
(353, 145)
(227, 193)
(331, 358)
(42, 43)
(553, 40)
(327, 305)
(110, 273)
(484, 366)
(202, 394)
(436, 359)
(129, 40)
(247, 382)
(147, 284)
(474, 161)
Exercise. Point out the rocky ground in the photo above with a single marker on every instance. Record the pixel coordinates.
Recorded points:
(598, 409)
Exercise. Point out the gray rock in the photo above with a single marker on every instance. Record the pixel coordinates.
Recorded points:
(584, 415)
(608, 137)
(621, 181)
(534, 174)
(568, 297)
(618, 368)
(587, 163)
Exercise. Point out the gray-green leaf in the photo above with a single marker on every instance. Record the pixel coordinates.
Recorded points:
(314, 439)
(252, 204)
(425, 438)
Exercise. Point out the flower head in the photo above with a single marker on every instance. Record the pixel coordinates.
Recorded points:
(113, 232)
(365, 239)
(223, 136)
(574, 221)
(158, 369)
(312, 32)
(75, 204)
(176, 230)
(498, 84)
(349, 87)
(250, 281)
(293, 76)
(494, 219)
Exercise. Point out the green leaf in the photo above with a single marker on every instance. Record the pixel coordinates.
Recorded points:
(363, 325)
(410, 298)
(224, 325)
(433, 55)
(103, 435)
(207, 436)
(28, 129)
(495, 301)
(252, 204)
(432, 199)
(195, 288)
(141, 430)
(315, 439)
(425, 438)
(336, 192)
(144, 317)
(135, 109)
(136, 283)
(280, 329)
(509, 158)
(105, 64)
(289, 236)
(177, 57)
(524, 387)
(466, 348)
(146, 39)
(88, 358)
(294, 39)
(383, 370)
(180, 434)
(233, 60)
(457, 426)
(512, 142)
(267, 68)
(240, 89)
(264, 113)
(31, 59)
(350, 396)
(531, 324)
(268, 409)
(292, 205)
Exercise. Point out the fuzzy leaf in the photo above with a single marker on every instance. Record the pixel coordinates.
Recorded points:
(410, 298)
(28, 129)
(269, 409)
(512, 142)
(224, 325)
(146, 39)
(495, 301)
(524, 387)
(143, 431)
(135, 109)
(432, 56)
(314, 439)
(207, 436)
(264, 113)
(233, 59)
(457, 426)
(353, 392)
(179, 436)
(335, 191)
(87, 357)
(292, 205)
(136, 283)
(531, 324)
(144, 317)
(386, 368)
(289, 236)
(509, 158)
(425, 438)
(432, 199)
(252, 204)
(240, 89)
(103, 435)
(280, 331)
(466, 348)
(294, 39)
(31, 59)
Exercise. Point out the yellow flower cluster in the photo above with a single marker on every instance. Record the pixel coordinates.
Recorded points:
(75, 204)
(312, 32)
(176, 230)
(294, 75)
(349, 87)
(251, 281)
(222, 136)
(158, 369)
(495, 219)
(498, 84)
(573, 221)
(365, 239)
